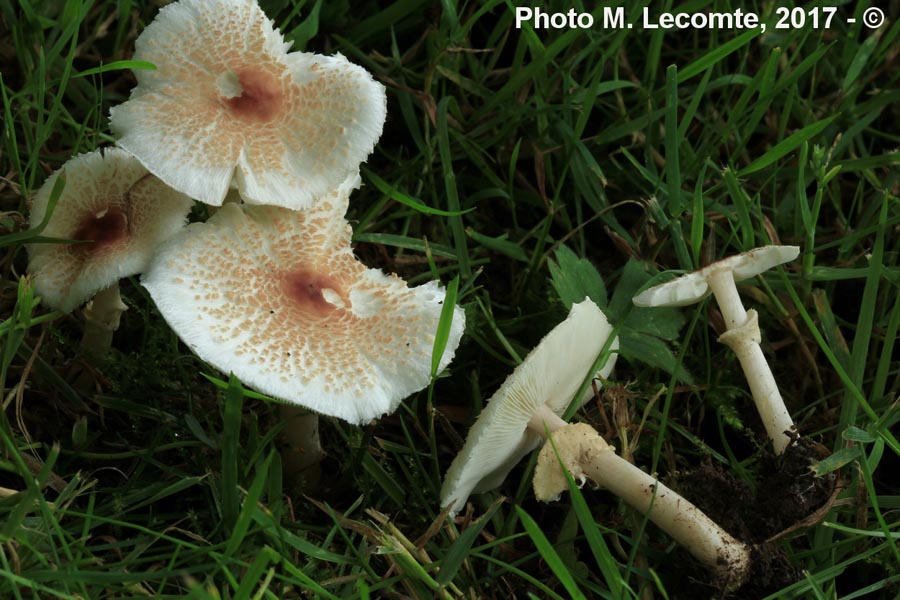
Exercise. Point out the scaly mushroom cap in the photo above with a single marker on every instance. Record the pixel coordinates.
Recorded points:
(111, 199)
(693, 287)
(277, 297)
(228, 105)
(549, 376)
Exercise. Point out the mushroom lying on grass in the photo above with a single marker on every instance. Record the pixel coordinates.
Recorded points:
(228, 105)
(742, 326)
(277, 297)
(540, 388)
(120, 213)
(586, 455)
(528, 406)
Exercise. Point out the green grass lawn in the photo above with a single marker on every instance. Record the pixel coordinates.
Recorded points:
(547, 158)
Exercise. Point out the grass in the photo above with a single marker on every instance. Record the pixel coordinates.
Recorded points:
(637, 151)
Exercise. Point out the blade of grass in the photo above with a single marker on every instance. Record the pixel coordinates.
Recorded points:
(445, 323)
(673, 168)
(456, 224)
(459, 549)
(716, 55)
(230, 445)
(394, 194)
(787, 146)
(251, 501)
(119, 65)
(548, 553)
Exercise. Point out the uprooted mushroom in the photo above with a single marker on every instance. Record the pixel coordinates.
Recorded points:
(511, 425)
(742, 326)
(586, 455)
(527, 408)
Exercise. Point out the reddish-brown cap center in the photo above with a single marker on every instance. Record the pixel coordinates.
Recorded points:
(304, 290)
(260, 96)
(103, 228)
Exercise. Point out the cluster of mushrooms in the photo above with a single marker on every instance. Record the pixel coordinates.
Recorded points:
(268, 287)
(526, 411)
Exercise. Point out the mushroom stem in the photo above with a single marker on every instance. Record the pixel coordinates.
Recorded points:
(743, 336)
(744, 341)
(301, 450)
(587, 455)
(544, 420)
(101, 319)
(724, 288)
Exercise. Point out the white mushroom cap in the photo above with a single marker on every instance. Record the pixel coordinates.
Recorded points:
(109, 197)
(277, 297)
(694, 286)
(548, 377)
(228, 105)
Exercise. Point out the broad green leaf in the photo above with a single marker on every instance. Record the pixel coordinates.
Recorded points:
(576, 278)
(655, 353)
(660, 322)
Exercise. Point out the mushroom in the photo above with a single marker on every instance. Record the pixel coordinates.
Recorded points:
(120, 213)
(228, 105)
(538, 391)
(584, 453)
(527, 408)
(742, 326)
(277, 297)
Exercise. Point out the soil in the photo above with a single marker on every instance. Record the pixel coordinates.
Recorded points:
(788, 496)
(790, 492)
(770, 571)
